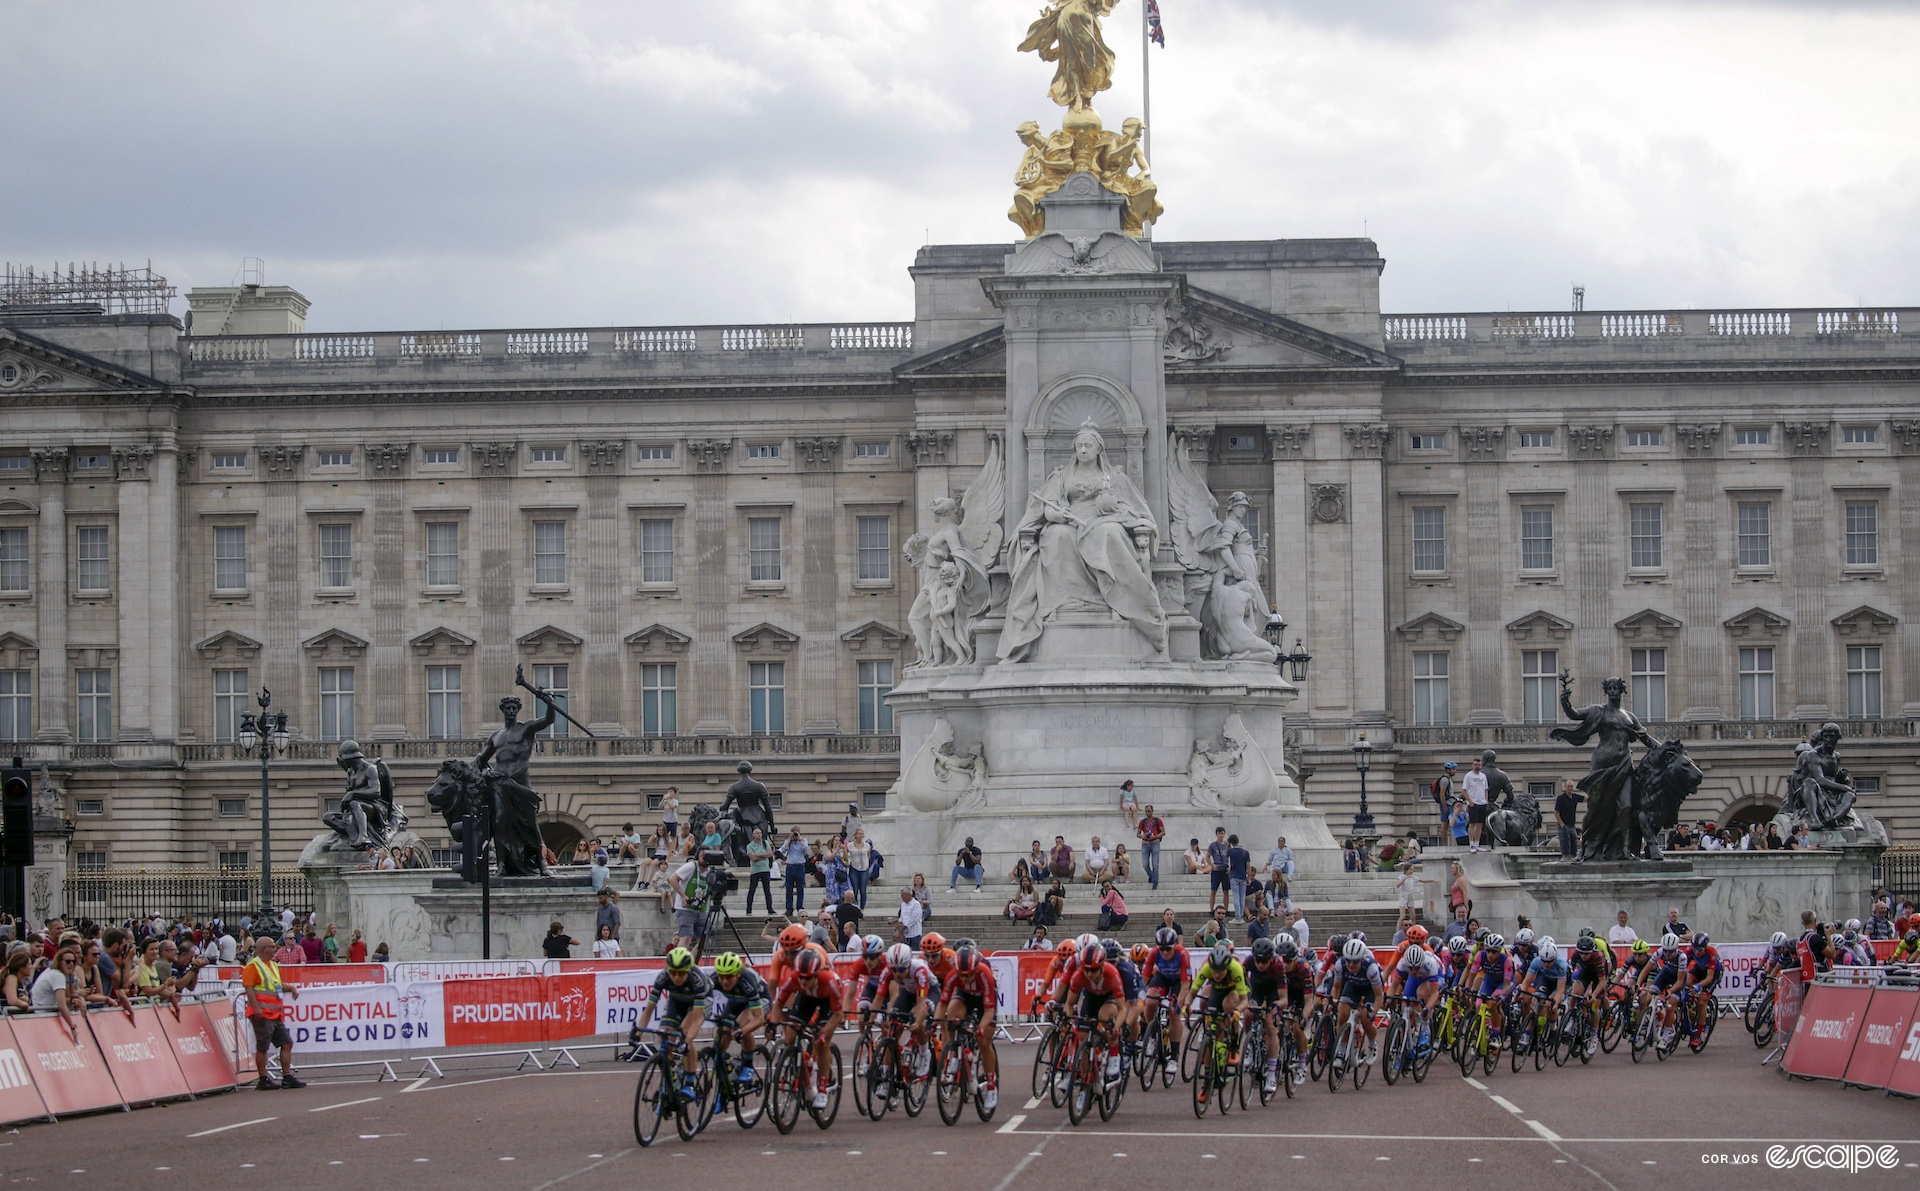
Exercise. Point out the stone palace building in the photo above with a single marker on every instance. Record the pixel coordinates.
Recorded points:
(695, 533)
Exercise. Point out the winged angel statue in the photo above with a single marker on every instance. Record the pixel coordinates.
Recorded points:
(1223, 575)
(952, 563)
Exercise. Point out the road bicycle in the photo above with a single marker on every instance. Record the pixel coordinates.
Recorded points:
(1695, 1034)
(1088, 1084)
(658, 1095)
(1618, 1016)
(1254, 1057)
(1050, 1059)
(1156, 1044)
(1758, 1014)
(1216, 1071)
(1401, 1052)
(1320, 1032)
(963, 1075)
(896, 1071)
(1477, 1044)
(1349, 1058)
(796, 1076)
(1574, 1034)
(1533, 1032)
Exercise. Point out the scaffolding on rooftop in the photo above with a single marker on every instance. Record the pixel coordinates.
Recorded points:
(115, 289)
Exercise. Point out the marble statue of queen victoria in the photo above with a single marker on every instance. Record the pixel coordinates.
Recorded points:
(1084, 544)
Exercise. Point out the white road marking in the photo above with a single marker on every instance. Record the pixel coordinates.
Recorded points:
(235, 1125)
(343, 1104)
(1032, 1104)
(1542, 1130)
(1505, 1103)
(1013, 1123)
(417, 1084)
(1474, 1083)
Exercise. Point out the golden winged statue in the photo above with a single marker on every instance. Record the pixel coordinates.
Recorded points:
(1068, 32)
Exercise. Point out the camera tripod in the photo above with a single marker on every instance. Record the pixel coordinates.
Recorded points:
(716, 915)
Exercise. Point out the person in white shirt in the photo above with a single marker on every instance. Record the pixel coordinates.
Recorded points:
(229, 948)
(910, 918)
(1475, 784)
(606, 946)
(1620, 934)
(1297, 923)
(1096, 863)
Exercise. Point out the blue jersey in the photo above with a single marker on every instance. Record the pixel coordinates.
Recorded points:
(1494, 963)
(1130, 982)
(1367, 974)
(1539, 970)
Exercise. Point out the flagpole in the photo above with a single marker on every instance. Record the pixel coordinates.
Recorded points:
(1146, 84)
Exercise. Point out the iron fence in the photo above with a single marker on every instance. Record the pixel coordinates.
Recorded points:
(204, 893)
(1898, 872)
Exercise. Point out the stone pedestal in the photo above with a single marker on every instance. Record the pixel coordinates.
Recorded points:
(326, 870)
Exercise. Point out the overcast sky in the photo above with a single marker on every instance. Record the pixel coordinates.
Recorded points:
(516, 164)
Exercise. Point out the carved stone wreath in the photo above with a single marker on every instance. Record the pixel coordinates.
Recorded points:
(1329, 503)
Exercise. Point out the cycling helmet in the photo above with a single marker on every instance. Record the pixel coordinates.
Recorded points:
(679, 960)
(1640, 947)
(819, 935)
(899, 957)
(808, 963)
(1549, 954)
(1141, 954)
(1081, 941)
(967, 958)
(933, 942)
(1482, 935)
(1853, 924)
(1701, 939)
(1459, 945)
(1587, 932)
(1222, 954)
(1416, 952)
(1336, 942)
(1355, 950)
(1166, 936)
(1286, 946)
(1912, 939)
(1112, 949)
(1359, 934)
(1493, 942)
(1587, 945)
(873, 946)
(1066, 949)
(729, 965)
(1780, 938)
(792, 938)
(1547, 943)
(1523, 937)
(1669, 942)
(1263, 950)
(1093, 955)
(1416, 933)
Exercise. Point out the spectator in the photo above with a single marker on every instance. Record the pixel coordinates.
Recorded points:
(847, 914)
(266, 1012)
(923, 895)
(1217, 870)
(1052, 904)
(1879, 922)
(1620, 934)
(1037, 862)
(98, 986)
(1022, 871)
(598, 873)
(1459, 897)
(1441, 791)
(1774, 842)
(1566, 811)
(1022, 904)
(183, 967)
(910, 919)
(1411, 849)
(1038, 941)
(816, 863)
(580, 854)
(1193, 858)
(606, 946)
(670, 814)
(1129, 805)
(330, 945)
(558, 944)
(17, 980)
(1406, 889)
(1297, 923)
(1258, 926)
(230, 947)
(967, 863)
(286, 921)
(859, 856)
(629, 844)
(850, 822)
(1801, 841)
(1113, 908)
(875, 862)
(310, 943)
(1122, 864)
(759, 869)
(689, 918)
(1279, 859)
(1167, 918)
(1456, 926)
(608, 915)
(290, 951)
(1474, 782)
(652, 860)
(1060, 861)
(1211, 932)
(1151, 830)
(1458, 822)
(381, 955)
(1097, 864)
(1238, 858)
(356, 949)
(794, 854)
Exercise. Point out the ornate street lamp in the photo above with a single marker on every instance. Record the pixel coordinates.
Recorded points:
(1363, 761)
(266, 731)
(1295, 663)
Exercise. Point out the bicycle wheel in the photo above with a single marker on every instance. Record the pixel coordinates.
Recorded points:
(823, 1117)
(1203, 1082)
(1546, 1037)
(784, 1098)
(1666, 1039)
(1763, 1026)
(1340, 1055)
(1750, 1012)
(1289, 1057)
(1062, 1086)
(1253, 1063)
(979, 1077)
(1423, 1056)
(1359, 1067)
(1111, 1093)
(648, 1104)
(1046, 1058)
(1466, 1046)
(950, 1089)
(1561, 1033)
(1698, 1042)
(1613, 1026)
(1083, 1084)
(1146, 1060)
(1523, 1041)
(1491, 1057)
(882, 1081)
(1189, 1053)
(750, 1096)
(863, 1052)
(1320, 1047)
(914, 1089)
(1641, 1036)
(1393, 1050)
(694, 1114)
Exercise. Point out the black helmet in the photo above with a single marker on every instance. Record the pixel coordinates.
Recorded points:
(1166, 936)
(1701, 939)
(1287, 947)
(1263, 950)
(1112, 948)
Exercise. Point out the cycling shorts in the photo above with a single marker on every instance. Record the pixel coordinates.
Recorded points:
(971, 1003)
(1354, 993)
(1665, 979)
(1545, 986)
(1415, 982)
(1265, 990)
(1217, 996)
(728, 1009)
(1297, 999)
(1490, 984)
(1161, 983)
(903, 999)
(1091, 1003)
(808, 1010)
(673, 1008)
(869, 989)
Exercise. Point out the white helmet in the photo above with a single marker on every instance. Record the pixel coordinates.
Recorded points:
(1548, 948)
(1780, 938)
(1669, 942)
(899, 957)
(1853, 924)
(1080, 941)
(1459, 945)
(1356, 950)
(1523, 937)
(1416, 952)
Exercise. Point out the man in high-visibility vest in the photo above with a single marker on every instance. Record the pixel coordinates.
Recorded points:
(266, 1012)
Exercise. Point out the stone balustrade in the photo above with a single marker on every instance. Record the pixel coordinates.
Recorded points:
(1827, 329)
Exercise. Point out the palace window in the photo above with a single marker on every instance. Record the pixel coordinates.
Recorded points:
(443, 554)
(93, 568)
(763, 550)
(1539, 685)
(1863, 533)
(16, 705)
(336, 459)
(1752, 436)
(230, 461)
(1536, 438)
(872, 450)
(1863, 682)
(656, 550)
(767, 698)
(336, 555)
(1536, 537)
(876, 714)
(1645, 544)
(1430, 538)
(1649, 683)
(1430, 687)
(229, 558)
(336, 703)
(659, 700)
(1756, 683)
(656, 454)
(1859, 435)
(16, 570)
(93, 695)
(874, 537)
(443, 702)
(1753, 534)
(230, 703)
(553, 678)
(549, 552)
(440, 455)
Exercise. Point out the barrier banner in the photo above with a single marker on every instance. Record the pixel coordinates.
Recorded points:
(1740, 967)
(329, 1019)
(576, 996)
(1905, 1076)
(1882, 1035)
(1823, 1037)
(624, 963)
(197, 1048)
(138, 1055)
(1789, 993)
(19, 1098)
(1006, 985)
(301, 974)
(617, 999)
(460, 969)
(513, 1011)
(235, 1035)
(71, 1074)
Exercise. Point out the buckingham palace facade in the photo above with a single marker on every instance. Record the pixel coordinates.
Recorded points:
(695, 534)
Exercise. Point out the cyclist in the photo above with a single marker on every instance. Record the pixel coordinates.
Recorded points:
(1858, 951)
(863, 983)
(809, 994)
(1357, 981)
(685, 990)
(1416, 976)
(1416, 936)
(1169, 973)
(1702, 976)
(1131, 1012)
(1323, 984)
(939, 957)
(1055, 981)
(1781, 954)
(1546, 978)
(1908, 952)
(1222, 981)
(793, 941)
(1095, 991)
(1589, 966)
(1525, 951)
(1300, 996)
(971, 995)
(1662, 973)
(908, 986)
(1494, 969)
(1453, 962)
(740, 999)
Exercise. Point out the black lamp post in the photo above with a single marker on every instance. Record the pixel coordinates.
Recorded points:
(1363, 761)
(1296, 662)
(266, 731)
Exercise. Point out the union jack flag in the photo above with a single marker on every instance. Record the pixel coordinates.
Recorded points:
(1153, 24)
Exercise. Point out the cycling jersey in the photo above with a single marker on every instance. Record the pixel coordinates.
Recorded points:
(809, 1006)
(1495, 968)
(681, 997)
(1264, 985)
(1177, 966)
(1590, 968)
(1546, 977)
(748, 992)
(1666, 969)
(1130, 982)
(900, 991)
(1359, 984)
(1230, 981)
(976, 991)
(1299, 975)
(1704, 962)
(1904, 954)
(866, 980)
(1095, 986)
(783, 961)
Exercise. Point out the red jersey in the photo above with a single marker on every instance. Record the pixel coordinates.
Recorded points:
(1101, 981)
(826, 988)
(979, 984)
(941, 964)
(917, 977)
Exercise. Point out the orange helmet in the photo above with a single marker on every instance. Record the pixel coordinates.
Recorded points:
(932, 943)
(1416, 933)
(1066, 948)
(793, 938)
(1141, 954)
